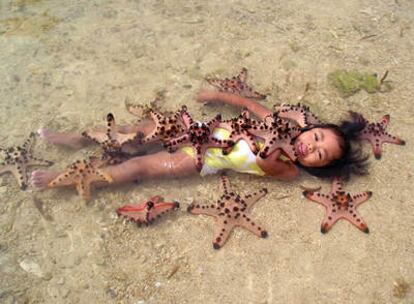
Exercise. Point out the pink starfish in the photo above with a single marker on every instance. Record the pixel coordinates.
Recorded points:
(199, 135)
(146, 212)
(236, 85)
(230, 210)
(299, 113)
(339, 204)
(375, 133)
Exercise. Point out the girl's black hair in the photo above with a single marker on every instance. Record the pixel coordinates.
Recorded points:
(352, 161)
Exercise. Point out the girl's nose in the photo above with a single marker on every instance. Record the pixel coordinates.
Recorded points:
(310, 148)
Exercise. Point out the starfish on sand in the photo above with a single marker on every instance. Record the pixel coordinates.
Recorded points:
(112, 141)
(299, 113)
(17, 160)
(147, 211)
(375, 133)
(339, 204)
(198, 135)
(82, 174)
(143, 111)
(229, 211)
(236, 85)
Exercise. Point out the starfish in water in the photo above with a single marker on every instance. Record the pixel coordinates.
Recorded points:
(375, 133)
(277, 134)
(339, 204)
(236, 85)
(199, 135)
(146, 212)
(298, 113)
(18, 159)
(143, 111)
(82, 174)
(230, 210)
(112, 141)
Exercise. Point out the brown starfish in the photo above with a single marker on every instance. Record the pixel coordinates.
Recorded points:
(112, 141)
(147, 211)
(19, 158)
(298, 113)
(82, 174)
(236, 85)
(238, 127)
(277, 134)
(375, 133)
(339, 204)
(230, 210)
(199, 135)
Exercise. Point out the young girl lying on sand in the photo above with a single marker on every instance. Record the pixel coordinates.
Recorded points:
(323, 150)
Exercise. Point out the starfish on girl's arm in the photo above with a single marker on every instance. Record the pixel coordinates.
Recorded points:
(229, 211)
(146, 212)
(17, 160)
(82, 174)
(375, 133)
(198, 135)
(339, 204)
(236, 85)
(299, 113)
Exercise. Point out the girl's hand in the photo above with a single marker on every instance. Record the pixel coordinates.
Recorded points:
(206, 96)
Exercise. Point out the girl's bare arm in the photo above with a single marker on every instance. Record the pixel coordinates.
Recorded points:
(273, 166)
(231, 99)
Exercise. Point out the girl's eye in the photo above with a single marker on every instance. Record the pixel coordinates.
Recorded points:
(316, 137)
(320, 155)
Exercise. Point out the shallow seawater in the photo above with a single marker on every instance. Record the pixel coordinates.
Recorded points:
(65, 64)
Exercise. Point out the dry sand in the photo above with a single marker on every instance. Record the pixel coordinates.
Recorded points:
(66, 64)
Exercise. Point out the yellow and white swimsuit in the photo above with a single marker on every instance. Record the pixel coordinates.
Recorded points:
(240, 159)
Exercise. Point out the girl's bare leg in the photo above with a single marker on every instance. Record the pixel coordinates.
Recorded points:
(235, 100)
(159, 165)
(76, 141)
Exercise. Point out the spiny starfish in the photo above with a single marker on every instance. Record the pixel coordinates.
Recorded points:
(236, 85)
(146, 212)
(230, 210)
(143, 111)
(19, 158)
(82, 174)
(199, 135)
(375, 133)
(277, 134)
(340, 204)
(238, 127)
(112, 141)
(299, 113)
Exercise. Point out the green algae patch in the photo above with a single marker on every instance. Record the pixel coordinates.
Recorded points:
(350, 82)
(28, 26)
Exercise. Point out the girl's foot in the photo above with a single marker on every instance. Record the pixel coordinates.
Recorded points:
(71, 140)
(40, 179)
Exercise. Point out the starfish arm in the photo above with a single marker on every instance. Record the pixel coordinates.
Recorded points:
(385, 120)
(225, 186)
(242, 75)
(247, 223)
(210, 210)
(33, 161)
(329, 220)
(249, 139)
(336, 185)
(101, 176)
(251, 199)
(20, 174)
(355, 220)
(28, 144)
(96, 136)
(298, 113)
(360, 198)
(318, 197)
(125, 138)
(221, 232)
(178, 142)
(67, 178)
(83, 187)
(185, 117)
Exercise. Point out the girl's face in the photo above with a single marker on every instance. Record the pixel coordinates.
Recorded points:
(317, 147)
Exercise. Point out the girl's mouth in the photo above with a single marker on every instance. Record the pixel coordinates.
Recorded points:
(301, 149)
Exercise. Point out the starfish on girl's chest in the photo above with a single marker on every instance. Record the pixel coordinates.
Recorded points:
(82, 174)
(375, 133)
(229, 211)
(236, 85)
(340, 204)
(18, 159)
(147, 211)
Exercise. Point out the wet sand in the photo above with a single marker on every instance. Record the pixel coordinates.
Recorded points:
(66, 66)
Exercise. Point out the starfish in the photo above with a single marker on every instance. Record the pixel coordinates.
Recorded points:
(230, 210)
(112, 141)
(199, 135)
(339, 204)
(375, 133)
(146, 212)
(82, 174)
(298, 113)
(277, 134)
(238, 127)
(142, 111)
(166, 127)
(236, 85)
(19, 158)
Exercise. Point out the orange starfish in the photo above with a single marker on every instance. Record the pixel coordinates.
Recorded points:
(82, 174)
(230, 210)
